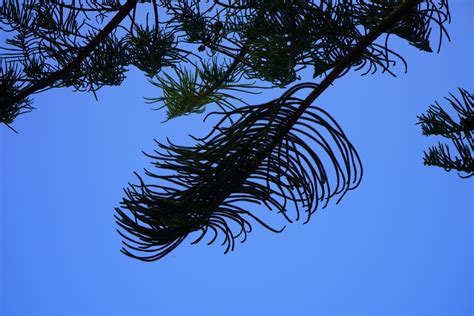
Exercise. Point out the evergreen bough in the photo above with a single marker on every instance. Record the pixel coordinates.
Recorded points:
(286, 155)
(460, 130)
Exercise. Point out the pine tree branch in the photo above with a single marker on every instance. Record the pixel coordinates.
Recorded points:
(216, 85)
(265, 157)
(360, 48)
(339, 68)
(82, 9)
(81, 56)
(350, 58)
(440, 156)
(437, 121)
(193, 90)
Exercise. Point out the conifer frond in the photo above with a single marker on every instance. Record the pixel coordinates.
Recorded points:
(415, 27)
(54, 45)
(463, 162)
(189, 20)
(264, 158)
(271, 156)
(460, 130)
(151, 49)
(89, 44)
(437, 121)
(286, 36)
(8, 87)
(106, 67)
(190, 91)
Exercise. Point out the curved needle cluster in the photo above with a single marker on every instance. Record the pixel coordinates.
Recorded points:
(256, 160)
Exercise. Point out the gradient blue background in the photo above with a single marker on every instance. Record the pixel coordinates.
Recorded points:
(401, 244)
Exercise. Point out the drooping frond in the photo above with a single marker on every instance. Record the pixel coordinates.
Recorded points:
(460, 130)
(267, 158)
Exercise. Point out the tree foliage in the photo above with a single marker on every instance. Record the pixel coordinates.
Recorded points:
(262, 158)
(283, 155)
(89, 44)
(437, 121)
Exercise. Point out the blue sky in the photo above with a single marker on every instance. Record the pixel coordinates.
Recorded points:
(401, 244)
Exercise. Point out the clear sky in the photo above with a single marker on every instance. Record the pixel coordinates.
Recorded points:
(401, 244)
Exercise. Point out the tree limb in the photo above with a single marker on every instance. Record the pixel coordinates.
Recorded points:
(81, 56)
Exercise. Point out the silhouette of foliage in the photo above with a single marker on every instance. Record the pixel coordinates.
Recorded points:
(459, 130)
(8, 88)
(281, 154)
(262, 158)
(89, 44)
